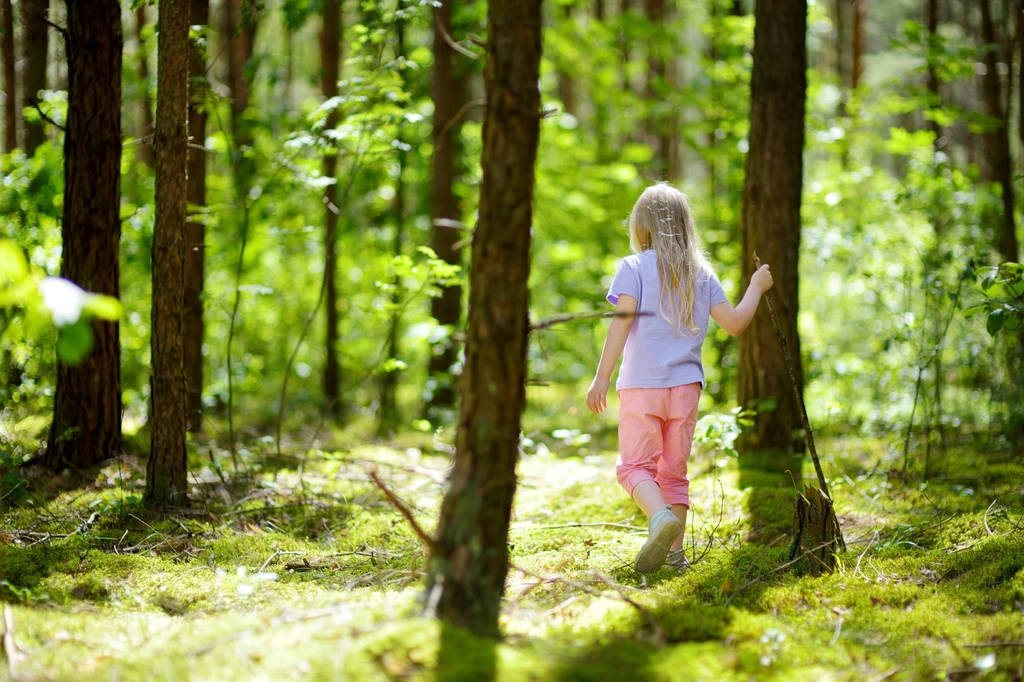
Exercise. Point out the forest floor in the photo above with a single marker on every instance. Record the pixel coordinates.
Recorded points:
(303, 570)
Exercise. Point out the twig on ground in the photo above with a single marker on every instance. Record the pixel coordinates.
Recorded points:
(596, 524)
(404, 510)
(992, 645)
(658, 631)
(778, 568)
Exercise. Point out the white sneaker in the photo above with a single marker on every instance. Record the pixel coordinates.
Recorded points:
(678, 560)
(663, 530)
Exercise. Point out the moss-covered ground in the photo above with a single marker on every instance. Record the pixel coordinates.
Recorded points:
(300, 569)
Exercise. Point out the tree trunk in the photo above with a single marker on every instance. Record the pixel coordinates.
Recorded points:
(241, 17)
(35, 36)
(446, 308)
(839, 10)
(195, 230)
(330, 58)
(860, 18)
(10, 98)
(1020, 83)
(599, 10)
(566, 81)
(771, 213)
(87, 405)
(932, 22)
(146, 154)
(997, 142)
(656, 90)
(388, 415)
(470, 561)
(166, 473)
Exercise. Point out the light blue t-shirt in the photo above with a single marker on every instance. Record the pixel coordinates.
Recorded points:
(654, 356)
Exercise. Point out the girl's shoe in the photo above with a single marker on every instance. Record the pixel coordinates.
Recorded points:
(663, 530)
(677, 560)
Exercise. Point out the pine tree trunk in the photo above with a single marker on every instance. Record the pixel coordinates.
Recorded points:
(932, 22)
(839, 12)
(146, 154)
(166, 472)
(240, 23)
(997, 142)
(566, 81)
(446, 308)
(388, 416)
(35, 37)
(10, 95)
(771, 214)
(195, 230)
(330, 58)
(655, 92)
(87, 405)
(468, 567)
(1020, 83)
(860, 11)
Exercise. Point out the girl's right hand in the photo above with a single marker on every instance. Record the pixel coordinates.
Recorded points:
(597, 396)
(762, 279)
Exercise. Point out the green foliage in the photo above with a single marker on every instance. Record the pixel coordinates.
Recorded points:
(1003, 290)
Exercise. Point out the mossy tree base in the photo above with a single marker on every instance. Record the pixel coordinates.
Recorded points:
(817, 536)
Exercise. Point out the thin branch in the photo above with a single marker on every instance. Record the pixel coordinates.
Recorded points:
(458, 116)
(454, 45)
(57, 27)
(552, 321)
(404, 510)
(778, 568)
(42, 115)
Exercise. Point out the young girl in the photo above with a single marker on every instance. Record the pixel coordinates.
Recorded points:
(669, 283)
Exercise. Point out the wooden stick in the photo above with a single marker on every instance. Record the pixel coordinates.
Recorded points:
(796, 386)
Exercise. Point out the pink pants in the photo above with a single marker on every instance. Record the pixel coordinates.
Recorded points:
(655, 435)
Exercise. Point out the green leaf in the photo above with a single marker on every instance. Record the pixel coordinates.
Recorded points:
(13, 267)
(75, 342)
(995, 322)
(975, 310)
(103, 307)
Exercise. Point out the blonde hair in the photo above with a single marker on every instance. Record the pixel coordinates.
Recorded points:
(662, 222)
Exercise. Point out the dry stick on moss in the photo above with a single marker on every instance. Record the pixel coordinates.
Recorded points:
(404, 510)
(659, 632)
(778, 568)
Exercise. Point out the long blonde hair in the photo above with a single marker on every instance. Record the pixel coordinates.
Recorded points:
(662, 222)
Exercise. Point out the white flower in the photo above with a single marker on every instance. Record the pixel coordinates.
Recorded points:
(63, 298)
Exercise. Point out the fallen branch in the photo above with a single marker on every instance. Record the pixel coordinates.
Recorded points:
(404, 510)
(778, 568)
(659, 632)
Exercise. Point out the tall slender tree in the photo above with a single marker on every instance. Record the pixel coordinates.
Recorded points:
(997, 140)
(860, 18)
(36, 43)
(658, 86)
(10, 94)
(444, 205)
(195, 229)
(241, 19)
(770, 221)
(388, 415)
(469, 562)
(566, 80)
(166, 472)
(146, 100)
(86, 425)
(330, 64)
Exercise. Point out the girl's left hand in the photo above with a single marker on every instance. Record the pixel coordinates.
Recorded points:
(597, 396)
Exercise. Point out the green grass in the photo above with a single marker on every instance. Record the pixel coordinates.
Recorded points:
(271, 577)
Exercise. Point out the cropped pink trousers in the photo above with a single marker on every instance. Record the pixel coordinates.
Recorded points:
(655, 436)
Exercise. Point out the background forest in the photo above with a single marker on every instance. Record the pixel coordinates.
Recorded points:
(334, 183)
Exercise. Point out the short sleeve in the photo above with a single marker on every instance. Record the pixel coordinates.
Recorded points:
(716, 294)
(626, 281)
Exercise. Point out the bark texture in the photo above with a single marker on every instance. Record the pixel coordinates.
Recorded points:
(195, 230)
(87, 405)
(146, 153)
(771, 214)
(36, 42)
(860, 17)
(241, 20)
(469, 563)
(997, 141)
(166, 473)
(447, 308)
(10, 94)
(330, 58)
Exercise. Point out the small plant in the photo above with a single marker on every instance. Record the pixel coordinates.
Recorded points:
(718, 432)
